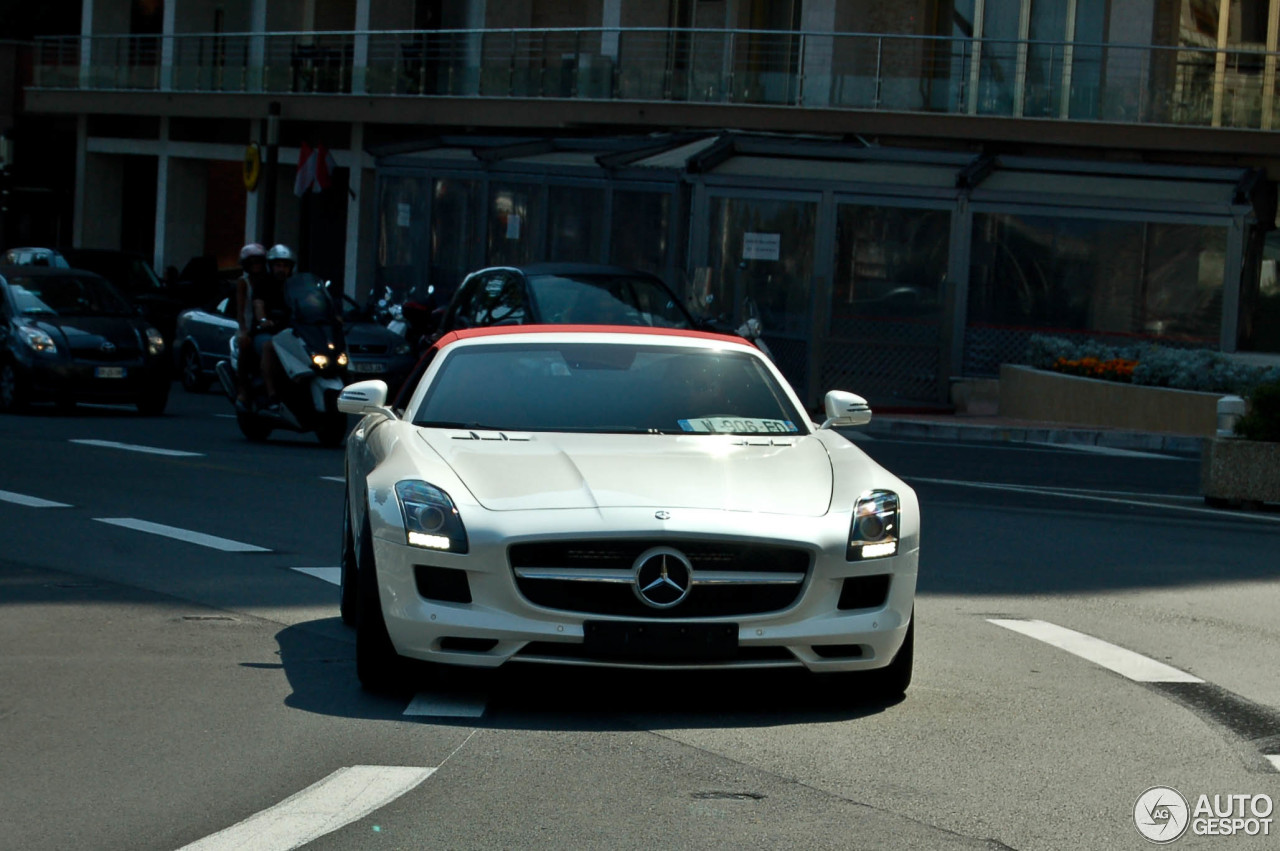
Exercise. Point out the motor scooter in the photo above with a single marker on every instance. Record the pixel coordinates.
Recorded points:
(311, 353)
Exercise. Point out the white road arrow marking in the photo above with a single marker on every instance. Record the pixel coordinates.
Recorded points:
(347, 795)
(131, 447)
(331, 575)
(30, 501)
(224, 544)
(1124, 662)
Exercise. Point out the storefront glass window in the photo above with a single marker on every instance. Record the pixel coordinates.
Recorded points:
(511, 240)
(454, 217)
(575, 223)
(403, 248)
(638, 238)
(1100, 277)
(890, 262)
(763, 250)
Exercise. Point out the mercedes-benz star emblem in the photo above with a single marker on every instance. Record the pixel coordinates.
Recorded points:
(108, 346)
(663, 514)
(663, 577)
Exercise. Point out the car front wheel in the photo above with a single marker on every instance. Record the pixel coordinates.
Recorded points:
(378, 666)
(13, 389)
(193, 378)
(349, 602)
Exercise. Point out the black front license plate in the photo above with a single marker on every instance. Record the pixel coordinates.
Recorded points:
(661, 641)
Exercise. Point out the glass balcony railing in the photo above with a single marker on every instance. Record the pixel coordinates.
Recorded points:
(1024, 79)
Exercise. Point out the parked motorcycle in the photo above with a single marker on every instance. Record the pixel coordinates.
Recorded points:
(312, 356)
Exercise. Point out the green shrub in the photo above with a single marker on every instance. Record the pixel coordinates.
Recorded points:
(1263, 420)
(1159, 366)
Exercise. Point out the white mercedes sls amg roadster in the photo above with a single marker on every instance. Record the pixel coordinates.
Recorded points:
(623, 497)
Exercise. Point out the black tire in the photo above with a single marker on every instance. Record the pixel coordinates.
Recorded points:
(379, 667)
(14, 395)
(193, 378)
(891, 682)
(153, 402)
(332, 429)
(349, 603)
(253, 428)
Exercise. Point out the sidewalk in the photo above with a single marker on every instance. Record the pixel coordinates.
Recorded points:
(996, 429)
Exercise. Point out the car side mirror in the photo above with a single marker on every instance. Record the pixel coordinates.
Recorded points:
(365, 397)
(845, 409)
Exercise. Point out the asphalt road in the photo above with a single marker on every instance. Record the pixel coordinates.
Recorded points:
(174, 670)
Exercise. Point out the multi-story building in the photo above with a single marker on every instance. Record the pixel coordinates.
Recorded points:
(907, 190)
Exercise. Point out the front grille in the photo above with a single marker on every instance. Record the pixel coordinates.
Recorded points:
(578, 653)
(594, 577)
(366, 348)
(95, 354)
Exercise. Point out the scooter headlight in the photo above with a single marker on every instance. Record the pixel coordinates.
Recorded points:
(320, 361)
(155, 342)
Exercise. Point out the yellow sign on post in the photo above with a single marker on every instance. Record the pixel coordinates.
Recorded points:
(252, 166)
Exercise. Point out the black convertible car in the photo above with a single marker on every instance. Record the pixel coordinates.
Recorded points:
(69, 336)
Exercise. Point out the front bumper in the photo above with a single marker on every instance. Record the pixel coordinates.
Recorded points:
(500, 624)
(84, 381)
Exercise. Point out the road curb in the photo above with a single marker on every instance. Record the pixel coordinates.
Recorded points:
(984, 433)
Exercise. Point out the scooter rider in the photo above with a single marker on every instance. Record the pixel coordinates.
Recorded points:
(271, 314)
(253, 261)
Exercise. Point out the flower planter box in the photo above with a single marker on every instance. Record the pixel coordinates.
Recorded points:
(1027, 393)
(1234, 471)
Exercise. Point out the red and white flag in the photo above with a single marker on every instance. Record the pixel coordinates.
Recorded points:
(315, 169)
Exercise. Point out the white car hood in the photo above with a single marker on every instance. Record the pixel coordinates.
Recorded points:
(512, 472)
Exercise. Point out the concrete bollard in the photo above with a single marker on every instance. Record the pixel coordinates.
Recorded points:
(1230, 409)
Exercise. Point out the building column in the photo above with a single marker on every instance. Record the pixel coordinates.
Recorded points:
(252, 198)
(166, 47)
(611, 17)
(257, 59)
(82, 165)
(86, 43)
(162, 196)
(361, 183)
(360, 49)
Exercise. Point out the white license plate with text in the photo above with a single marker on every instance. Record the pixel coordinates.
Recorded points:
(108, 372)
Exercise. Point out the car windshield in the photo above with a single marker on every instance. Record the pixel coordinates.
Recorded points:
(67, 295)
(628, 388)
(309, 301)
(602, 299)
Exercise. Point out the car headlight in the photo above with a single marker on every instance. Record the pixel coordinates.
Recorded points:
(430, 518)
(342, 358)
(155, 342)
(38, 340)
(874, 530)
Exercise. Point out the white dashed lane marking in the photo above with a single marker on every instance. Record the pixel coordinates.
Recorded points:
(1274, 759)
(131, 447)
(347, 795)
(213, 542)
(30, 501)
(1124, 662)
(444, 705)
(332, 575)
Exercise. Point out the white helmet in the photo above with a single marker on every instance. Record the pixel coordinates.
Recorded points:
(253, 249)
(280, 251)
